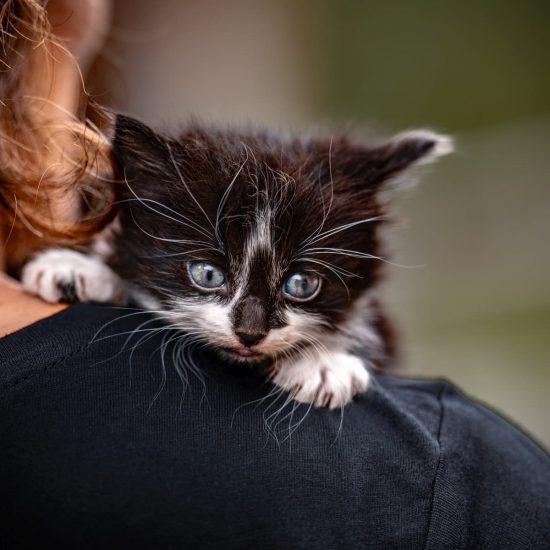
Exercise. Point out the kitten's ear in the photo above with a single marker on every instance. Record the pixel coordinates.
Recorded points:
(375, 167)
(137, 148)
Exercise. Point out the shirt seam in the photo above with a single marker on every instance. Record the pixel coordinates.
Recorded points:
(438, 467)
(19, 380)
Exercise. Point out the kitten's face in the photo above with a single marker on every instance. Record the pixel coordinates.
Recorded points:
(255, 246)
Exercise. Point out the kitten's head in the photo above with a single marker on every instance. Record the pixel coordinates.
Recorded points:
(256, 245)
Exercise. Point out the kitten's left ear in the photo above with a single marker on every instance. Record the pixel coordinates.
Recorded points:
(137, 148)
(373, 167)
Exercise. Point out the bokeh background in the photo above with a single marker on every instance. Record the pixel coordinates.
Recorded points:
(478, 311)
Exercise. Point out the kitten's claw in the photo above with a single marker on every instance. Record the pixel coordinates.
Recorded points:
(62, 275)
(324, 379)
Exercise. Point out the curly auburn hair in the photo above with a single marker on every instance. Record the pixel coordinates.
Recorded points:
(49, 158)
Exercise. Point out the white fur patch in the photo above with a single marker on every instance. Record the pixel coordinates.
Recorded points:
(49, 272)
(300, 327)
(205, 318)
(261, 237)
(102, 244)
(258, 240)
(144, 299)
(324, 378)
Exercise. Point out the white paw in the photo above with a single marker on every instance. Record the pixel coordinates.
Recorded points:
(62, 275)
(324, 379)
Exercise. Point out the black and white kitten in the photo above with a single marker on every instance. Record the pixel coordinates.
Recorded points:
(265, 249)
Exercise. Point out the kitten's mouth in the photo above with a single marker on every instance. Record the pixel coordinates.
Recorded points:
(244, 353)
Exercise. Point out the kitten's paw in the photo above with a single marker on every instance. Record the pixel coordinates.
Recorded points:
(62, 275)
(327, 379)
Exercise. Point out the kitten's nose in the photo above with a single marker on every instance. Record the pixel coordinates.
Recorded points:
(249, 339)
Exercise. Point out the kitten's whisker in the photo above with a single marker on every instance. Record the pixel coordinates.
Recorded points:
(326, 212)
(134, 312)
(183, 220)
(293, 428)
(140, 330)
(334, 269)
(150, 334)
(179, 363)
(186, 345)
(178, 355)
(278, 394)
(187, 253)
(141, 341)
(344, 251)
(187, 187)
(223, 200)
(163, 239)
(280, 419)
(257, 402)
(328, 265)
(270, 419)
(340, 426)
(315, 342)
(162, 380)
(339, 229)
(357, 254)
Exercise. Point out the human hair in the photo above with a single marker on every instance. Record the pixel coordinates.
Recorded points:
(55, 170)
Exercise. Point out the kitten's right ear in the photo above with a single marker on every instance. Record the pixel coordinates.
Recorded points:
(137, 148)
(379, 167)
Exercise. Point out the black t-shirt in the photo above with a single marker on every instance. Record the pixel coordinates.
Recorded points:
(101, 447)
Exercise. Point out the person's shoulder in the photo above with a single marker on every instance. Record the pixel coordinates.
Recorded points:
(458, 415)
(491, 487)
(52, 338)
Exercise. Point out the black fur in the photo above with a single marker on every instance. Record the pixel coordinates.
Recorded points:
(175, 189)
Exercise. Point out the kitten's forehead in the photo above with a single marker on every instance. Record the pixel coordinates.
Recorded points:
(263, 203)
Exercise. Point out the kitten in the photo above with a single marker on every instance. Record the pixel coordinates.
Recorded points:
(266, 249)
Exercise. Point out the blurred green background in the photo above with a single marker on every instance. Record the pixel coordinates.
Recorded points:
(478, 311)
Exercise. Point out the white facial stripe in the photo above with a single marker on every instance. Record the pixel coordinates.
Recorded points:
(205, 318)
(258, 241)
(262, 236)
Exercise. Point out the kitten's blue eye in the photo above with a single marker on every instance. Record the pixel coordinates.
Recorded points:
(302, 286)
(206, 275)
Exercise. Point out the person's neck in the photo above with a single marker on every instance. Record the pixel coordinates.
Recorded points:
(19, 309)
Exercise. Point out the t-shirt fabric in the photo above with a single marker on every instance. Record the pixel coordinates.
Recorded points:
(115, 433)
